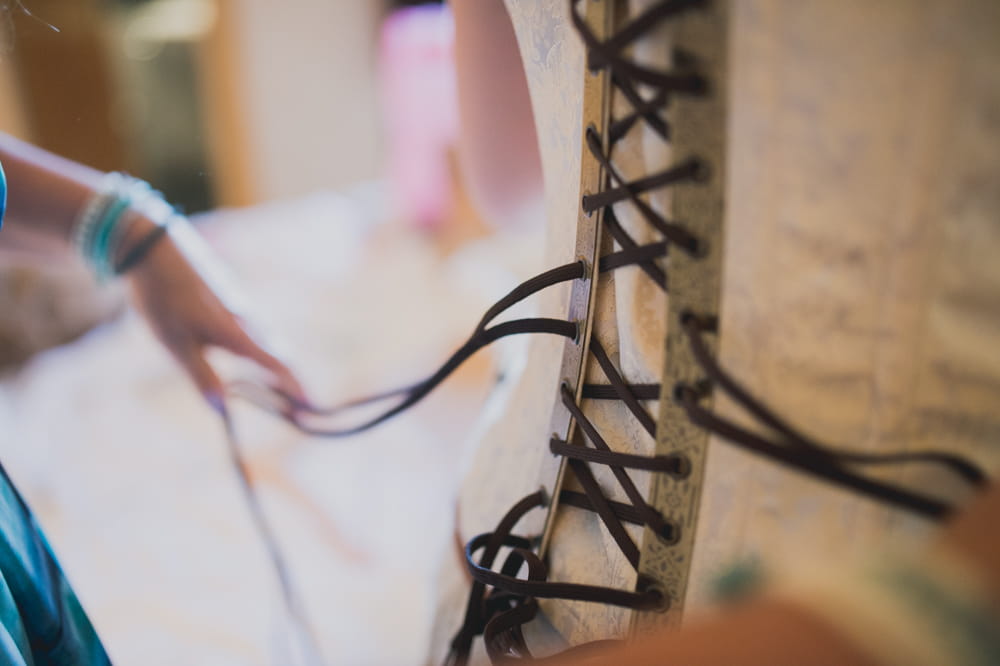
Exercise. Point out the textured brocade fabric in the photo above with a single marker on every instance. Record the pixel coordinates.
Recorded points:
(861, 287)
(512, 438)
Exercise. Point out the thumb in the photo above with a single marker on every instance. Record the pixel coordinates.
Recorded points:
(241, 342)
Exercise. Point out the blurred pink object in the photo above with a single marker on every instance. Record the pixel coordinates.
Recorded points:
(420, 111)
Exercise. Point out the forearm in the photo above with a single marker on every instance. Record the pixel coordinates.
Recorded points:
(498, 146)
(804, 624)
(45, 193)
(760, 633)
(175, 279)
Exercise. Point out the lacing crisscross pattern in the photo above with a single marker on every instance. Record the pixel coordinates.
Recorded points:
(503, 599)
(500, 603)
(493, 612)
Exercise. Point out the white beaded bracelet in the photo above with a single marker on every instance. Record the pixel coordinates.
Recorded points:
(103, 221)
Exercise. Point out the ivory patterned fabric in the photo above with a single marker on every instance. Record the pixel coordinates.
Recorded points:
(861, 289)
(503, 467)
(861, 285)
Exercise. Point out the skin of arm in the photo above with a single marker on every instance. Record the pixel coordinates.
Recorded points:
(179, 287)
(498, 147)
(771, 632)
(45, 192)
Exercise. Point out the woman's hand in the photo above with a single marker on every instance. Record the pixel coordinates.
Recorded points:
(190, 303)
(179, 285)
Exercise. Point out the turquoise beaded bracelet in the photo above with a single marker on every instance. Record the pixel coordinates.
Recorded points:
(103, 222)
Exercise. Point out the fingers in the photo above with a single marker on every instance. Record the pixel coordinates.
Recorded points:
(240, 342)
(190, 310)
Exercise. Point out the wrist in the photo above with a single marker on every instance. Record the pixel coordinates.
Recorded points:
(121, 223)
(141, 239)
(136, 227)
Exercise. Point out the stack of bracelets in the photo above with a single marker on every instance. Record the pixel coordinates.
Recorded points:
(104, 220)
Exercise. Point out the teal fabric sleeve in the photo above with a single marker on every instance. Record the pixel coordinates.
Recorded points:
(3, 194)
(43, 623)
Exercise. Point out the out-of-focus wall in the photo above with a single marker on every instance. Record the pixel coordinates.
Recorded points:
(12, 118)
(41, 305)
(307, 79)
(216, 102)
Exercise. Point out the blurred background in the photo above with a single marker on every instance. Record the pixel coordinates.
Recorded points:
(312, 141)
(217, 101)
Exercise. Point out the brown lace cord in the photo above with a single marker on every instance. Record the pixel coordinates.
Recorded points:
(696, 326)
(642, 255)
(643, 110)
(288, 408)
(295, 412)
(674, 464)
(617, 462)
(649, 267)
(608, 392)
(622, 511)
(688, 170)
(292, 601)
(692, 170)
(609, 52)
(535, 585)
(798, 451)
(476, 614)
(508, 592)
